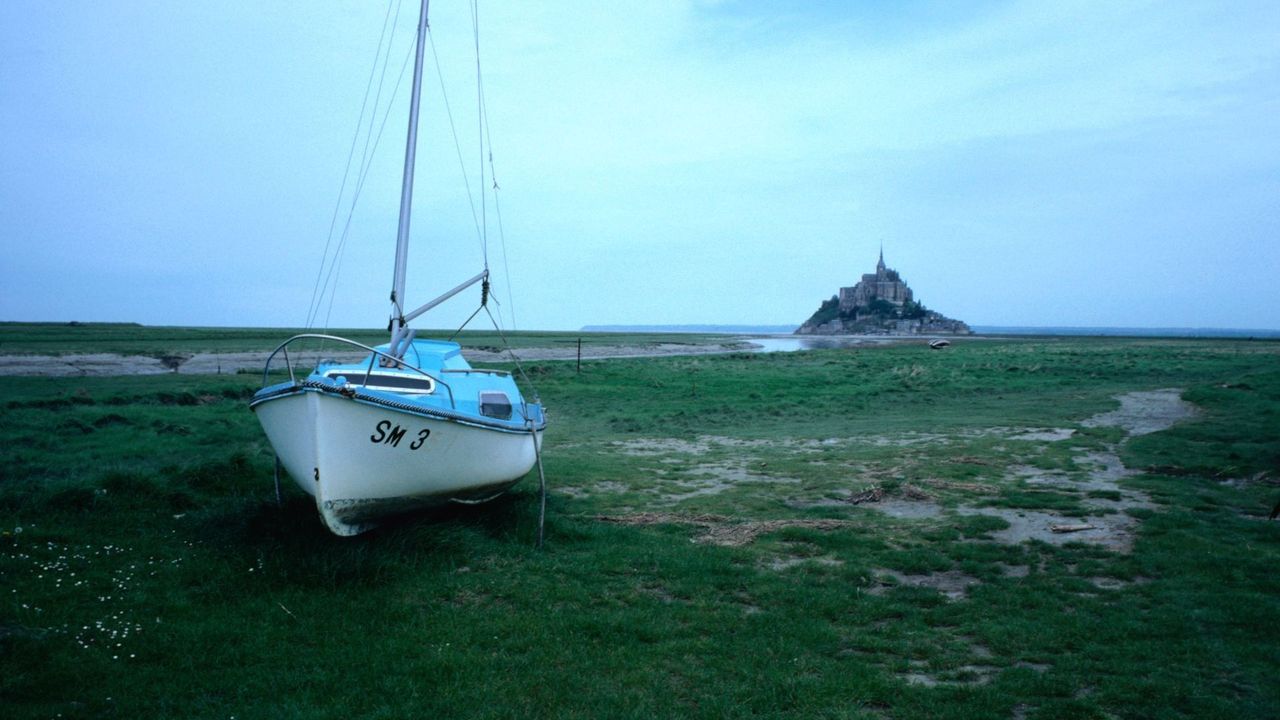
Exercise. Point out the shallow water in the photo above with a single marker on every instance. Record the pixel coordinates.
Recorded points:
(793, 343)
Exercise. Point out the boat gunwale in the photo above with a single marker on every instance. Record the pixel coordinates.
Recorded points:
(376, 398)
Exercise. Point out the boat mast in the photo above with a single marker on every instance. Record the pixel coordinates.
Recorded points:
(406, 189)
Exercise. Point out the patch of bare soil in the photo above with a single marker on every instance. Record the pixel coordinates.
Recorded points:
(1146, 412)
(910, 502)
(715, 478)
(786, 563)
(979, 670)
(1263, 478)
(603, 487)
(1044, 434)
(952, 583)
(1014, 571)
(1104, 471)
(909, 509)
(647, 447)
(108, 364)
(979, 488)
(84, 365)
(1095, 481)
(963, 676)
(1113, 527)
(1113, 530)
(1111, 583)
(967, 675)
(718, 529)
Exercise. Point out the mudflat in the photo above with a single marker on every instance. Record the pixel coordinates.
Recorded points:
(999, 529)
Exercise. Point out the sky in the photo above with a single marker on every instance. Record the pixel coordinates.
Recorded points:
(1073, 163)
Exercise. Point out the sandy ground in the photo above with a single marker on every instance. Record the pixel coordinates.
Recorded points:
(1140, 413)
(1108, 524)
(101, 364)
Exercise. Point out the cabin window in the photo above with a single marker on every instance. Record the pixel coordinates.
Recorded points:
(386, 381)
(495, 405)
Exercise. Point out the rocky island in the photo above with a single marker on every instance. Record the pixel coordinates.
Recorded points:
(879, 304)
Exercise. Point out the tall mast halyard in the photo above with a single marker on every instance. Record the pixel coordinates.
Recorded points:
(406, 189)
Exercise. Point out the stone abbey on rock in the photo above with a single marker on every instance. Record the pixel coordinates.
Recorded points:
(881, 303)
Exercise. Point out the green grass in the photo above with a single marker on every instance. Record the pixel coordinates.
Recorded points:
(145, 505)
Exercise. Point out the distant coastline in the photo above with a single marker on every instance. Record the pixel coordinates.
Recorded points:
(1125, 331)
(699, 329)
(1064, 330)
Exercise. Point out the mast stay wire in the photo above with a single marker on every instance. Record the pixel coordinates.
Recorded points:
(334, 263)
(366, 163)
(457, 144)
(482, 120)
(487, 139)
(364, 173)
(331, 279)
(479, 217)
(313, 306)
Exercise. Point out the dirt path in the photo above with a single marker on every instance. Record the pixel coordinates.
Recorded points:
(1140, 413)
(105, 364)
(1097, 480)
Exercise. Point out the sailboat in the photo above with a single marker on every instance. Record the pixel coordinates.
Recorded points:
(412, 424)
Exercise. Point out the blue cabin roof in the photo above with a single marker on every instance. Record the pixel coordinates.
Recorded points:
(466, 391)
(433, 355)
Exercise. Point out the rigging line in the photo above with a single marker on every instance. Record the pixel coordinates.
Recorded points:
(313, 306)
(335, 267)
(366, 158)
(482, 114)
(514, 357)
(493, 173)
(364, 175)
(330, 285)
(475, 217)
(502, 239)
(497, 208)
(466, 323)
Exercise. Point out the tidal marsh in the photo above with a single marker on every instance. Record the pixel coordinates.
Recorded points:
(705, 555)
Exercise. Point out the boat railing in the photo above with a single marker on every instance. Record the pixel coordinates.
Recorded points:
(481, 371)
(391, 360)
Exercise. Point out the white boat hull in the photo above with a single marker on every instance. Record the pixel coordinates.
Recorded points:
(362, 461)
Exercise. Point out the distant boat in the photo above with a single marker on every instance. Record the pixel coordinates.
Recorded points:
(412, 424)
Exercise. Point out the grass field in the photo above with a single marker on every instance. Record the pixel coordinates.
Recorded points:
(707, 554)
(131, 339)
